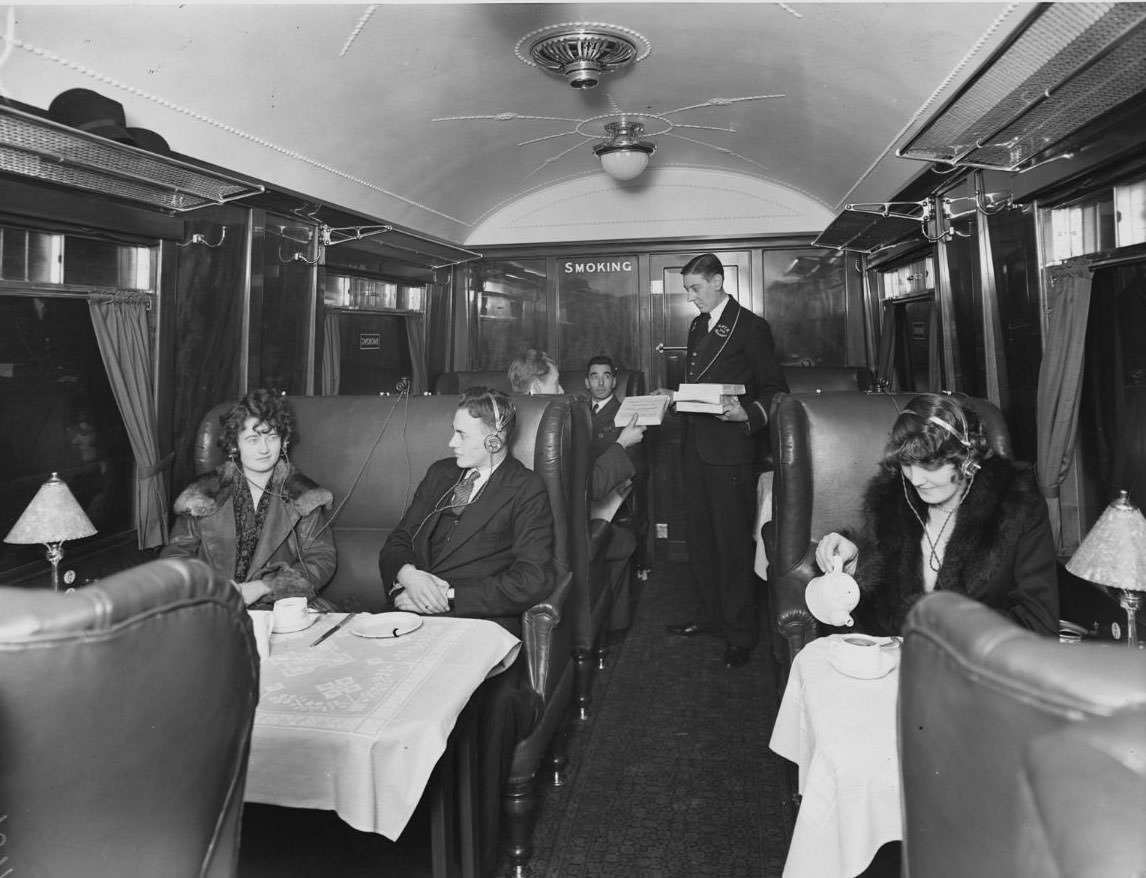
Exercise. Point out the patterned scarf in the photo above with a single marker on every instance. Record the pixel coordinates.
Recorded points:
(248, 527)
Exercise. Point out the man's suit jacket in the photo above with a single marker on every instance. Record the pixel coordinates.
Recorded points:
(738, 350)
(612, 464)
(499, 557)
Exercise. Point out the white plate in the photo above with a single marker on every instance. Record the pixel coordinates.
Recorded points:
(311, 617)
(395, 624)
(889, 659)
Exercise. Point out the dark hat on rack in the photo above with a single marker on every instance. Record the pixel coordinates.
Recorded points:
(147, 139)
(90, 111)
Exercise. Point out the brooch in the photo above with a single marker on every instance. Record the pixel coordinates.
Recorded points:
(722, 331)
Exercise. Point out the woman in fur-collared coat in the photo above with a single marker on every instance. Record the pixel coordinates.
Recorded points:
(257, 520)
(943, 513)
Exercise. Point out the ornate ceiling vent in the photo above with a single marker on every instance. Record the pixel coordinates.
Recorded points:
(582, 51)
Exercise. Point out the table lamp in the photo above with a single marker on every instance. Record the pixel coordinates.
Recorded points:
(1114, 554)
(52, 517)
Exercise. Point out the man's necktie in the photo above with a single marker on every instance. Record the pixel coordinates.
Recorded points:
(596, 407)
(462, 492)
(702, 322)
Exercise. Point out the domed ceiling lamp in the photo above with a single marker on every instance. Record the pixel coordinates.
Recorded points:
(583, 51)
(624, 156)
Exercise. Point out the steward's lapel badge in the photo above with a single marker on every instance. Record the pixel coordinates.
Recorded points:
(722, 331)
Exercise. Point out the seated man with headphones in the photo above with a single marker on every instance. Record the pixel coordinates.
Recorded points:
(477, 539)
(944, 513)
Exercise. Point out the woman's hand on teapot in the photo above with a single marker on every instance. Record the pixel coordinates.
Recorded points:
(835, 546)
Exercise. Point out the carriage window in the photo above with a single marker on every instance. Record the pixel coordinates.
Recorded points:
(365, 345)
(804, 303)
(510, 299)
(57, 414)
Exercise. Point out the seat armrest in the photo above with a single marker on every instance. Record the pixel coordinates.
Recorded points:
(790, 611)
(545, 649)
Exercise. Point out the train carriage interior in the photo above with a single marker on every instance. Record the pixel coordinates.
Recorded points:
(368, 209)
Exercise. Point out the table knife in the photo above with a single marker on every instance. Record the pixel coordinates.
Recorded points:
(334, 628)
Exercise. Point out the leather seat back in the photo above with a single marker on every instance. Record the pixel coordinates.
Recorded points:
(630, 382)
(1020, 755)
(371, 452)
(821, 379)
(128, 706)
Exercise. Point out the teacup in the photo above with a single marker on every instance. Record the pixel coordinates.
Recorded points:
(290, 614)
(832, 597)
(859, 655)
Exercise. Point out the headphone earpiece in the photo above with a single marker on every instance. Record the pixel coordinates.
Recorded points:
(493, 442)
(969, 467)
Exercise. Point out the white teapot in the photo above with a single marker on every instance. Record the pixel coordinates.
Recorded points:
(833, 596)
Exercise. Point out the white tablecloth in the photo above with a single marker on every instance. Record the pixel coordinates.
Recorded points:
(763, 514)
(356, 725)
(840, 731)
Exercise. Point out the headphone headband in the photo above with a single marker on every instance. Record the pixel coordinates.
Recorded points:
(962, 438)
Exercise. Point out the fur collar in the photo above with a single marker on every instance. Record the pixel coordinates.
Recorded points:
(996, 509)
(206, 494)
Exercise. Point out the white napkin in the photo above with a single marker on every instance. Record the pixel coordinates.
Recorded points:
(262, 622)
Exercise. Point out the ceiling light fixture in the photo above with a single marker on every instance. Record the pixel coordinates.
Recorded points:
(583, 51)
(624, 156)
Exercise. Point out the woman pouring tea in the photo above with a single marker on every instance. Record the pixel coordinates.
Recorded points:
(944, 512)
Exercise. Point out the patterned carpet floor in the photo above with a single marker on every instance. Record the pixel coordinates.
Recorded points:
(670, 777)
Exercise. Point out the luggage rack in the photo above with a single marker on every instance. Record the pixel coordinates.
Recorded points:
(32, 146)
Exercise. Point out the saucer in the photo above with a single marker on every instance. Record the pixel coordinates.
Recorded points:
(888, 661)
(381, 625)
(311, 617)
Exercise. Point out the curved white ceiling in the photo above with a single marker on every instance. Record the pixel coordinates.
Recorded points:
(339, 102)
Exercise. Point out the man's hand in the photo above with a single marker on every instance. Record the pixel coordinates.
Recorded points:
(424, 592)
(733, 410)
(252, 591)
(630, 434)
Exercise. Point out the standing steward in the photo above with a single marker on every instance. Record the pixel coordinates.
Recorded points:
(727, 344)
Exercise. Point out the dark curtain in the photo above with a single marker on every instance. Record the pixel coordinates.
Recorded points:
(120, 324)
(1060, 378)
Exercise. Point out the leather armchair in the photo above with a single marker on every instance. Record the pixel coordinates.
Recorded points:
(372, 452)
(128, 707)
(1020, 755)
(827, 448)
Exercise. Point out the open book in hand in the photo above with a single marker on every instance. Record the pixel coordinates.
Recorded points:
(704, 398)
(650, 410)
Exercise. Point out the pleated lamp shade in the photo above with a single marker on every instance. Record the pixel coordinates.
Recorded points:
(53, 516)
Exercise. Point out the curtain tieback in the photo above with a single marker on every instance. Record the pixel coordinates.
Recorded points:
(150, 472)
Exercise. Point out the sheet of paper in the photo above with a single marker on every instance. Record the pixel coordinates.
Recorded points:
(650, 410)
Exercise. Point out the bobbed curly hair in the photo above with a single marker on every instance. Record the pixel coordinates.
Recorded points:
(266, 408)
(934, 429)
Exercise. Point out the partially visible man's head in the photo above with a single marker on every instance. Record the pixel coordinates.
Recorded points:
(600, 378)
(534, 372)
(482, 427)
(703, 278)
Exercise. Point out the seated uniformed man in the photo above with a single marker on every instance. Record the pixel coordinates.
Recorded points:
(535, 372)
(601, 382)
(477, 541)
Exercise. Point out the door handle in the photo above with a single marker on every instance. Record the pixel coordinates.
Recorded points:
(663, 348)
